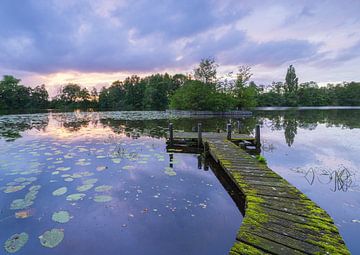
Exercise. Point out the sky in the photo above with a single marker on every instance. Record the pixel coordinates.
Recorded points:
(94, 43)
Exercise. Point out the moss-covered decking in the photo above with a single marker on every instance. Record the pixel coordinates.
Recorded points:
(278, 219)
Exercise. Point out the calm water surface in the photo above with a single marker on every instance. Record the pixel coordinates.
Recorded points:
(151, 202)
(115, 189)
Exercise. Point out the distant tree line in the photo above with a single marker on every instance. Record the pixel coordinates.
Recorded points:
(202, 90)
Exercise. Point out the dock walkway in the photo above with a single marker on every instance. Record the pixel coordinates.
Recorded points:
(279, 219)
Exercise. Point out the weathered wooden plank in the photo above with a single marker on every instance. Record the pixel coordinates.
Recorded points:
(240, 248)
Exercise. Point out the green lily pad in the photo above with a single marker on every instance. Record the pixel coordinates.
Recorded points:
(35, 188)
(61, 216)
(63, 168)
(116, 160)
(52, 238)
(12, 189)
(103, 188)
(84, 187)
(60, 191)
(102, 198)
(20, 179)
(18, 204)
(75, 197)
(90, 181)
(16, 242)
(101, 168)
(69, 179)
(169, 171)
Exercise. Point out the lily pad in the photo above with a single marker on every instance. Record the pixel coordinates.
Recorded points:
(18, 204)
(75, 197)
(90, 181)
(101, 168)
(116, 160)
(12, 189)
(102, 198)
(103, 188)
(169, 171)
(61, 216)
(69, 179)
(52, 238)
(84, 187)
(63, 168)
(60, 191)
(16, 242)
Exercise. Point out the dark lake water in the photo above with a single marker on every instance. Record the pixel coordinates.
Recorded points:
(104, 183)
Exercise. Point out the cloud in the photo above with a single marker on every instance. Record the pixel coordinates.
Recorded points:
(45, 37)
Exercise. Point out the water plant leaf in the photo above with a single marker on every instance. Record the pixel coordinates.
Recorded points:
(23, 214)
(169, 171)
(90, 181)
(84, 187)
(101, 168)
(61, 216)
(12, 189)
(75, 197)
(60, 191)
(52, 238)
(103, 188)
(102, 198)
(18, 204)
(16, 242)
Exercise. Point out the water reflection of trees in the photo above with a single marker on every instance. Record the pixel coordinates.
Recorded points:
(291, 120)
(340, 179)
(11, 126)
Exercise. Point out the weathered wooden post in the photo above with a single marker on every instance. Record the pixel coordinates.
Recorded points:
(257, 136)
(199, 135)
(171, 134)
(239, 126)
(228, 129)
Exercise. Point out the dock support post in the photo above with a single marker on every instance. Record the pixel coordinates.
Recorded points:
(171, 134)
(199, 135)
(257, 136)
(228, 129)
(239, 126)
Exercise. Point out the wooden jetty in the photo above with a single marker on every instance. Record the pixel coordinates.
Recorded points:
(278, 218)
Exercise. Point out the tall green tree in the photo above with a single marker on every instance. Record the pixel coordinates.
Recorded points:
(206, 71)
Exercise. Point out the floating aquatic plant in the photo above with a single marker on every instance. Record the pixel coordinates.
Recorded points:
(90, 181)
(23, 214)
(75, 197)
(103, 188)
(52, 238)
(60, 191)
(84, 187)
(18, 204)
(102, 198)
(12, 189)
(101, 168)
(169, 171)
(16, 242)
(61, 216)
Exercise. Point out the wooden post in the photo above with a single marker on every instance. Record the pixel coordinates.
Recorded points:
(257, 136)
(171, 134)
(228, 129)
(239, 126)
(199, 135)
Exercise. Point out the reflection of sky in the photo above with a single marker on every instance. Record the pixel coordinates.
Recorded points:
(150, 212)
(327, 148)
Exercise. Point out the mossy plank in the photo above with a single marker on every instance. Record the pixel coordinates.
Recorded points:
(240, 248)
(265, 244)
